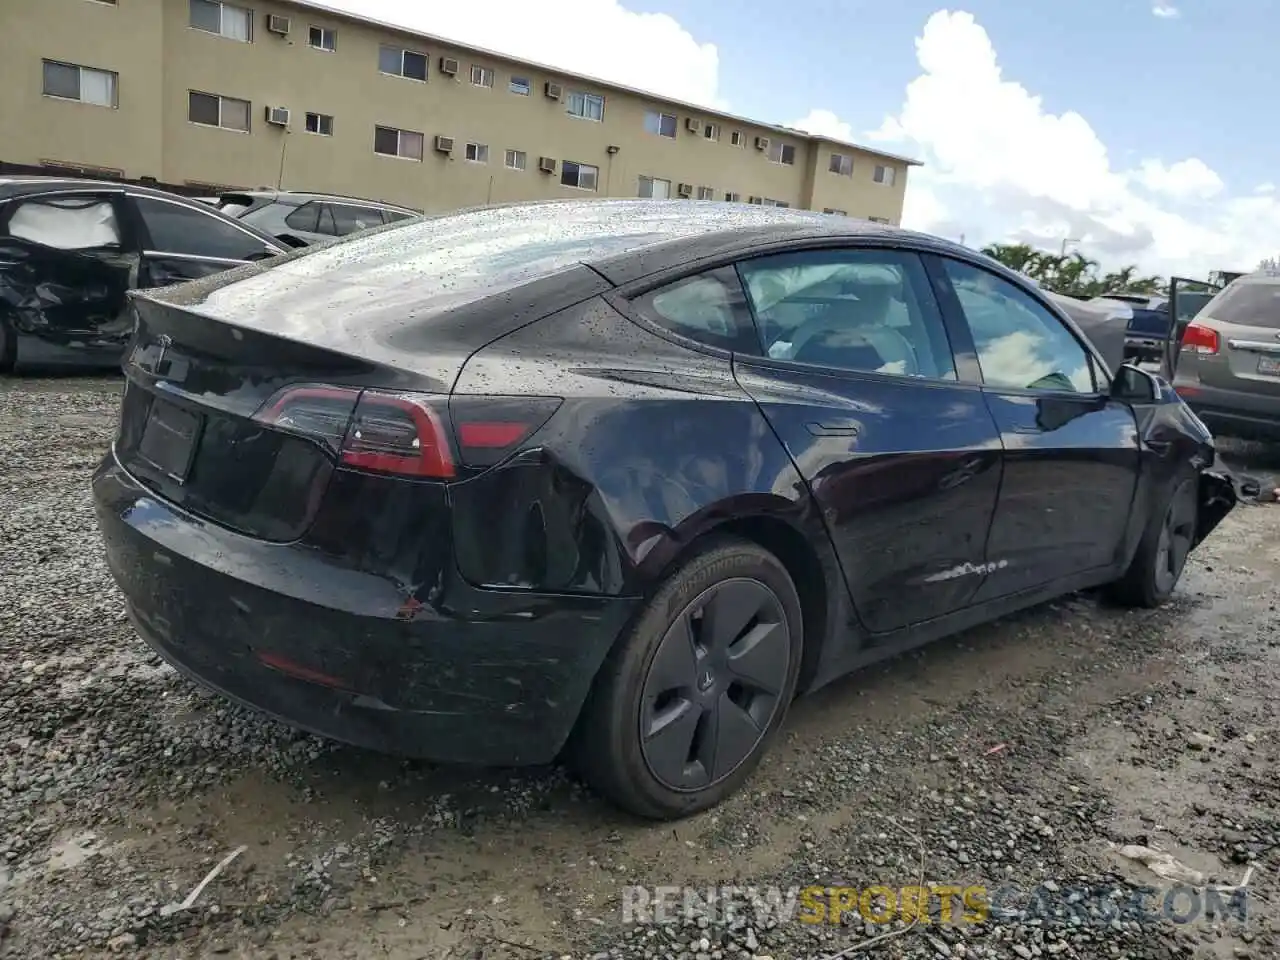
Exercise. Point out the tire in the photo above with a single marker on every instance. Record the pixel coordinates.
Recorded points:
(690, 686)
(1162, 553)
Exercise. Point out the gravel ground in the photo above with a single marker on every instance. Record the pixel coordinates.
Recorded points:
(1020, 756)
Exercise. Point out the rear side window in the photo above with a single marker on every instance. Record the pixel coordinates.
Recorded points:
(709, 308)
(1247, 305)
(67, 223)
(348, 219)
(395, 216)
(179, 229)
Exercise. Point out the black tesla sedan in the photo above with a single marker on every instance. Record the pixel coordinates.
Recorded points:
(70, 250)
(618, 479)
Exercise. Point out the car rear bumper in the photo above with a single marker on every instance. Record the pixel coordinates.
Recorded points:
(1232, 412)
(469, 676)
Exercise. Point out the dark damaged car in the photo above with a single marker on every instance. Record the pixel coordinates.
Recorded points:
(70, 250)
(617, 480)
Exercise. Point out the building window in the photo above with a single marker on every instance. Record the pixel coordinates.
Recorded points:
(833, 210)
(321, 123)
(662, 124)
(477, 152)
(211, 110)
(520, 85)
(706, 193)
(481, 76)
(731, 197)
(397, 62)
(878, 219)
(782, 153)
(654, 189)
(516, 159)
(884, 175)
(234, 23)
(390, 142)
(322, 38)
(580, 175)
(66, 81)
(841, 164)
(586, 106)
(737, 139)
(775, 203)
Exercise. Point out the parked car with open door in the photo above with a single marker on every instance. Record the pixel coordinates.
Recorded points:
(71, 250)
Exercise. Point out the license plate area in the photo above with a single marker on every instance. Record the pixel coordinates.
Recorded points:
(169, 439)
(1270, 366)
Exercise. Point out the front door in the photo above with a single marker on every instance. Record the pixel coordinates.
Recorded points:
(67, 259)
(1071, 455)
(182, 242)
(857, 379)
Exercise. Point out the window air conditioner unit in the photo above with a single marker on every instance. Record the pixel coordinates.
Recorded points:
(444, 144)
(762, 143)
(547, 164)
(685, 189)
(553, 90)
(277, 24)
(693, 124)
(449, 66)
(278, 116)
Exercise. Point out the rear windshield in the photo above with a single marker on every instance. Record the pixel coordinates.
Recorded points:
(1249, 305)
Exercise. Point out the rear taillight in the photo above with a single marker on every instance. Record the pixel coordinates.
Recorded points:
(408, 434)
(1200, 339)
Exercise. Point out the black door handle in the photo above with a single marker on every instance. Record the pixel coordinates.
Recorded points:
(833, 428)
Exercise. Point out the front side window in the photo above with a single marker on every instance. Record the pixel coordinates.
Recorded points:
(653, 188)
(212, 110)
(175, 228)
(586, 106)
(398, 62)
(224, 19)
(67, 81)
(709, 308)
(84, 222)
(858, 310)
(660, 124)
(1020, 343)
(581, 175)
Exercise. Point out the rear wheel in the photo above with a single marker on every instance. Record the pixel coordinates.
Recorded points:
(1162, 553)
(687, 703)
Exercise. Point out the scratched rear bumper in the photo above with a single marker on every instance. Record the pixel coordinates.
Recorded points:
(484, 677)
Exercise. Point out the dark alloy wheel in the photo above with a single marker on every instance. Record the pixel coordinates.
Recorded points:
(1162, 553)
(685, 706)
(714, 684)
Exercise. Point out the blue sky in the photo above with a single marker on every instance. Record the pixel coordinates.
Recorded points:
(1132, 125)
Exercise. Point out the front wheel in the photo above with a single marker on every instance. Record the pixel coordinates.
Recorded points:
(687, 703)
(1162, 553)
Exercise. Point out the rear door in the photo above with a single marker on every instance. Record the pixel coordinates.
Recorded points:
(67, 259)
(184, 242)
(1071, 455)
(858, 381)
(1246, 317)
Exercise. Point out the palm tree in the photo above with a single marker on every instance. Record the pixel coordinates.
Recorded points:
(1072, 274)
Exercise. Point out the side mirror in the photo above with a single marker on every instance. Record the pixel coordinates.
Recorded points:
(1134, 385)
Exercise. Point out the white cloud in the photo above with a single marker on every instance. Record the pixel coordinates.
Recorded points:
(599, 38)
(1000, 166)
(1186, 179)
(824, 123)
(1165, 11)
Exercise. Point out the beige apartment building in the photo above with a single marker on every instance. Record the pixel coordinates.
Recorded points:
(210, 95)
